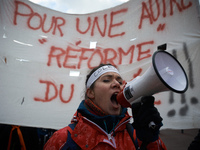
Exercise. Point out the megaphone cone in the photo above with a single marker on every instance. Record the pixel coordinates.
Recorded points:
(165, 74)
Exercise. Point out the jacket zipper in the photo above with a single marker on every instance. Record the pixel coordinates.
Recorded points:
(109, 135)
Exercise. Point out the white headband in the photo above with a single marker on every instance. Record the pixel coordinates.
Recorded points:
(99, 72)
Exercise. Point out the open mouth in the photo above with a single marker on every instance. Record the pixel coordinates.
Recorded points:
(114, 98)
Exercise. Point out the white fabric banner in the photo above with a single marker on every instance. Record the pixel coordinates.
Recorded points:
(45, 56)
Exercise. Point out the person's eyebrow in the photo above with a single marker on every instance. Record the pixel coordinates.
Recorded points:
(119, 78)
(110, 76)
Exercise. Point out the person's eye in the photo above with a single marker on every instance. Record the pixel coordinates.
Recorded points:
(120, 82)
(106, 80)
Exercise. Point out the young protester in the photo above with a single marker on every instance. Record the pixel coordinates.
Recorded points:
(101, 123)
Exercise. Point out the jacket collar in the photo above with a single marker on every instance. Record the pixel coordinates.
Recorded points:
(107, 123)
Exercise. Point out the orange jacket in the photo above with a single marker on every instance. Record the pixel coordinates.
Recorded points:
(88, 135)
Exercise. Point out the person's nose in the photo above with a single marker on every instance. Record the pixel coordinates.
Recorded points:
(116, 84)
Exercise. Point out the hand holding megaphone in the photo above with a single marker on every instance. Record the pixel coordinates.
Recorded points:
(145, 114)
(165, 74)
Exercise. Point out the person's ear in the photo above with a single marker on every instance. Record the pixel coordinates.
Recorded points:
(90, 93)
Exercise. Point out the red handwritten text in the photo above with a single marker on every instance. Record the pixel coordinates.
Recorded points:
(39, 21)
(56, 92)
(148, 12)
(91, 25)
(64, 58)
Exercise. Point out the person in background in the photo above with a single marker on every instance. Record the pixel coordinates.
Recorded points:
(102, 123)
